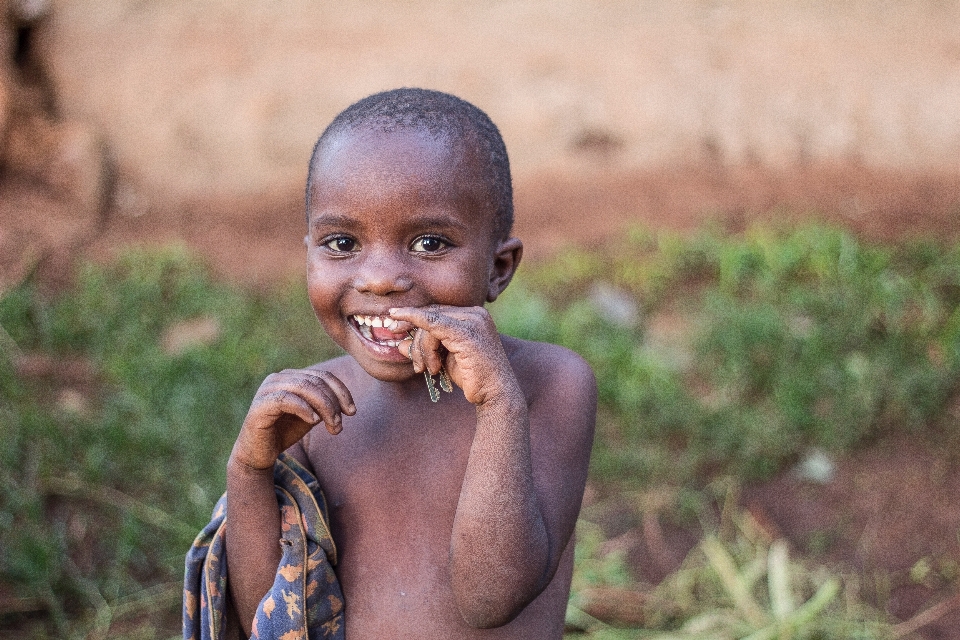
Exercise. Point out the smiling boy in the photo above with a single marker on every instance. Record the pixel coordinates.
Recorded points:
(452, 519)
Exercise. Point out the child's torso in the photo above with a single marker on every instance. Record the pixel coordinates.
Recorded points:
(392, 482)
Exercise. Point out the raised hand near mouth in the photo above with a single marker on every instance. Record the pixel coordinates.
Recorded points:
(463, 342)
(287, 405)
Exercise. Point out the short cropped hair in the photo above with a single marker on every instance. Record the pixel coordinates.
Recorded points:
(440, 114)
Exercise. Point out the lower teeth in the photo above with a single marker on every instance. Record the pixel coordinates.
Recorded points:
(367, 333)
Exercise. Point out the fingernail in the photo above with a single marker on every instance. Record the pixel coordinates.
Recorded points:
(390, 311)
(417, 368)
(316, 418)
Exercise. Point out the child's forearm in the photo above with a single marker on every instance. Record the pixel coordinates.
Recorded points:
(253, 533)
(501, 556)
(286, 406)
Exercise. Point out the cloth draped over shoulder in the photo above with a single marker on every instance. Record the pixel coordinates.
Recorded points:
(305, 601)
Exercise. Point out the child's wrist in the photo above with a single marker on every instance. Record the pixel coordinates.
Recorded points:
(508, 397)
(237, 464)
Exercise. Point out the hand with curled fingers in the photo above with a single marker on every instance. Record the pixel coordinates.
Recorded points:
(287, 405)
(464, 342)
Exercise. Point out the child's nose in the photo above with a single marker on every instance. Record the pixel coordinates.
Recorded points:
(382, 274)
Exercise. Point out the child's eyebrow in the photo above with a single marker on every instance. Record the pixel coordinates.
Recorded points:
(414, 222)
(427, 222)
(332, 220)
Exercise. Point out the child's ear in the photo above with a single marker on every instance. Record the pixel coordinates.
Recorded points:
(506, 257)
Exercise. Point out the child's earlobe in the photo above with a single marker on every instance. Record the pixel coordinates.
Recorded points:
(506, 258)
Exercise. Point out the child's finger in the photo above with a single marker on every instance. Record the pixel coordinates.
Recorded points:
(425, 351)
(416, 352)
(406, 347)
(280, 401)
(325, 394)
(340, 390)
(431, 351)
(442, 322)
(324, 401)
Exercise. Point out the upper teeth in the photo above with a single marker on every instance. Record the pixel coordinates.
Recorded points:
(375, 321)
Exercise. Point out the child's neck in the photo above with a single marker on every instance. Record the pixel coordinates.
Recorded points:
(413, 389)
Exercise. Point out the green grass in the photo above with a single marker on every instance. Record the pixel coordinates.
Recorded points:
(101, 496)
(741, 586)
(787, 341)
(715, 355)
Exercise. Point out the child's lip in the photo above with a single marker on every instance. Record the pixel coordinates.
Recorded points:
(385, 343)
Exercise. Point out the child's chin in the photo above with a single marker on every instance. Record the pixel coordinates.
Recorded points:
(401, 372)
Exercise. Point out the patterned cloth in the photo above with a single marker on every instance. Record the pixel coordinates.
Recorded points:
(305, 601)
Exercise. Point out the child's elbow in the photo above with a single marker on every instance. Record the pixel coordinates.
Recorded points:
(488, 616)
(492, 610)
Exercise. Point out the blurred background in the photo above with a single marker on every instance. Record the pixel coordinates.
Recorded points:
(743, 213)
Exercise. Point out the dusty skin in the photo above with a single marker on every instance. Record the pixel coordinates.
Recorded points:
(452, 519)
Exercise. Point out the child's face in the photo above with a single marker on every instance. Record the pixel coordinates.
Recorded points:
(397, 219)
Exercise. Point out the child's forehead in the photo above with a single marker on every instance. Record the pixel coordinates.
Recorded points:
(362, 171)
(414, 158)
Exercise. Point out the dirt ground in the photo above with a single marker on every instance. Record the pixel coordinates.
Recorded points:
(892, 514)
(259, 240)
(888, 517)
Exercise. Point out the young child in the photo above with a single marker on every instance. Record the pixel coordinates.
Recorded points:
(452, 518)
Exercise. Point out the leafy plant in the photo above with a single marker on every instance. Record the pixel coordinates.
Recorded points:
(738, 586)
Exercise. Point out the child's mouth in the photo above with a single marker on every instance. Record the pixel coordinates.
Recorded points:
(382, 330)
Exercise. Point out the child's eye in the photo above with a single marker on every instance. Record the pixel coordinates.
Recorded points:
(428, 244)
(342, 244)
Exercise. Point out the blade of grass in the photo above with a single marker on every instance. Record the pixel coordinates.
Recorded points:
(150, 599)
(580, 619)
(10, 606)
(102, 613)
(723, 564)
(824, 595)
(926, 616)
(778, 580)
(71, 486)
(10, 346)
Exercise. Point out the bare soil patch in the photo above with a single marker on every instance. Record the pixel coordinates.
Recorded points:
(259, 239)
(891, 514)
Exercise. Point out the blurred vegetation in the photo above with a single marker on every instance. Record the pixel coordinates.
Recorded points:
(737, 354)
(107, 478)
(716, 356)
(736, 583)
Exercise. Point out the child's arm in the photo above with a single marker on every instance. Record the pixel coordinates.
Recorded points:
(286, 406)
(514, 518)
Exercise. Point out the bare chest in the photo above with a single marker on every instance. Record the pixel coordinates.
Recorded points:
(392, 492)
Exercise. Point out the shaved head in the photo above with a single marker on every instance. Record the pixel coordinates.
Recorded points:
(443, 116)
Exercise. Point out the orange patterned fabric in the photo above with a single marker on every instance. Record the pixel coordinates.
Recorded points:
(305, 602)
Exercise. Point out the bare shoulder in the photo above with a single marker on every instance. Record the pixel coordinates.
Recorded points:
(546, 371)
(561, 393)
